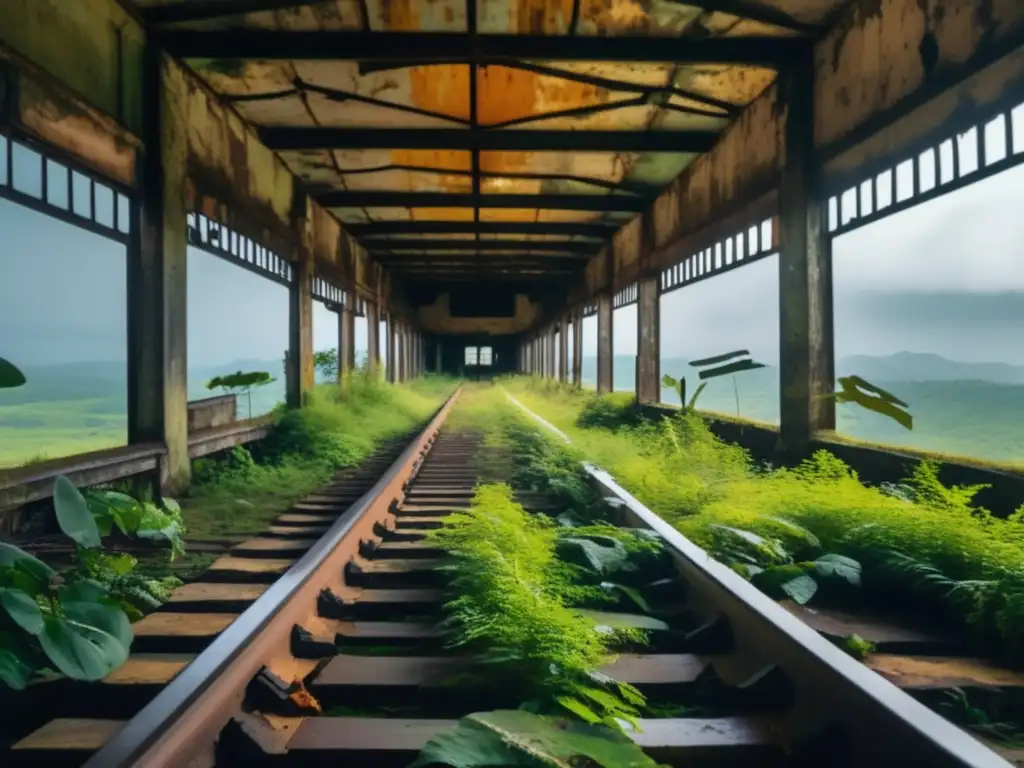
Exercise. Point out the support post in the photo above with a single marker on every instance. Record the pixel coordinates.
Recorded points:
(158, 285)
(604, 344)
(577, 348)
(372, 339)
(648, 345)
(563, 349)
(300, 331)
(438, 355)
(549, 352)
(346, 342)
(392, 350)
(806, 352)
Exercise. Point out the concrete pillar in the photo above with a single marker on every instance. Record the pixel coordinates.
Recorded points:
(392, 350)
(372, 339)
(158, 285)
(563, 349)
(438, 355)
(300, 331)
(577, 346)
(346, 341)
(550, 340)
(806, 352)
(648, 345)
(605, 381)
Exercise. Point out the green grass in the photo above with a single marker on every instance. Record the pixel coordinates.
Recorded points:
(340, 428)
(957, 560)
(32, 432)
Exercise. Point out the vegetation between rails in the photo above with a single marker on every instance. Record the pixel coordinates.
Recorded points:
(519, 584)
(918, 543)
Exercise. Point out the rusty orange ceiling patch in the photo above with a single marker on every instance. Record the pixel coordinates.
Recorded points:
(354, 99)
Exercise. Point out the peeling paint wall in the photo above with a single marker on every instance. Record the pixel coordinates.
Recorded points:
(234, 178)
(437, 318)
(92, 46)
(888, 57)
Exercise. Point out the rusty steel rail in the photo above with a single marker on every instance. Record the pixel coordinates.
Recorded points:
(189, 713)
(885, 726)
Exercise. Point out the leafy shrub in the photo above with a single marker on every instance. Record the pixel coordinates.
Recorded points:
(142, 519)
(52, 621)
(612, 411)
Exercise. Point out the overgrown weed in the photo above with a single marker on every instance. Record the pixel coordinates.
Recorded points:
(969, 565)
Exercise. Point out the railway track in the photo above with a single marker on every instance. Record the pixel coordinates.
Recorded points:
(319, 646)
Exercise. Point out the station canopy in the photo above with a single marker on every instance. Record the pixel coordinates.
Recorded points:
(497, 139)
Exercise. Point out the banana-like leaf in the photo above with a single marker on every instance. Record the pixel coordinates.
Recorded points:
(693, 400)
(719, 358)
(859, 383)
(883, 403)
(10, 376)
(736, 367)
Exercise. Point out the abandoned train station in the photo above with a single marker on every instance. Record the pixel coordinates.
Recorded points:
(478, 179)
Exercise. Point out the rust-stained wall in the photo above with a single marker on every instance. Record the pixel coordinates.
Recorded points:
(38, 104)
(889, 73)
(92, 46)
(885, 55)
(437, 318)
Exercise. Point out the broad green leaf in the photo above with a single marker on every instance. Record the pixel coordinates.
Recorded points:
(10, 376)
(669, 382)
(747, 536)
(37, 570)
(22, 609)
(80, 651)
(860, 383)
(578, 708)
(838, 566)
(719, 358)
(801, 589)
(725, 370)
(610, 621)
(797, 530)
(14, 672)
(696, 394)
(630, 592)
(603, 555)
(108, 618)
(784, 581)
(121, 564)
(172, 506)
(519, 739)
(73, 514)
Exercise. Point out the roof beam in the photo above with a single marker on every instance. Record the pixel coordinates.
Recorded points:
(567, 229)
(201, 10)
(683, 142)
(417, 48)
(565, 247)
(756, 11)
(375, 199)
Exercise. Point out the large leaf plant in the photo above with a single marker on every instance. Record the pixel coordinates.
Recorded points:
(55, 623)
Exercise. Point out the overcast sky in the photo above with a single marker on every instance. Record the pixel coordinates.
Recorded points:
(945, 277)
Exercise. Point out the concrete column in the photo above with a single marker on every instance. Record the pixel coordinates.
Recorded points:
(158, 285)
(392, 350)
(372, 339)
(605, 381)
(550, 341)
(300, 331)
(438, 355)
(806, 352)
(563, 349)
(577, 345)
(346, 342)
(648, 345)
